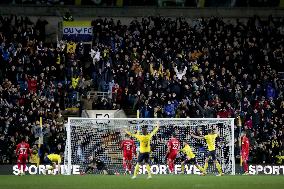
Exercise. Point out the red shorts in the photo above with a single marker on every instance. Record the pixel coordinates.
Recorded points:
(245, 156)
(172, 156)
(127, 156)
(22, 159)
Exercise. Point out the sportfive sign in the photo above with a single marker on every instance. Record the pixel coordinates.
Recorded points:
(45, 169)
(163, 169)
(266, 169)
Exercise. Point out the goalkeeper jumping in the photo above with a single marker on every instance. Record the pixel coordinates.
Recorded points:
(145, 149)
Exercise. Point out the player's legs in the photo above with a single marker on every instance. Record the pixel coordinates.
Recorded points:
(194, 160)
(146, 160)
(206, 165)
(24, 162)
(89, 167)
(245, 164)
(129, 166)
(218, 166)
(171, 162)
(143, 157)
(182, 167)
(139, 161)
(124, 163)
(19, 162)
(170, 165)
(183, 164)
(59, 168)
(128, 161)
(148, 170)
(49, 162)
(136, 170)
(52, 166)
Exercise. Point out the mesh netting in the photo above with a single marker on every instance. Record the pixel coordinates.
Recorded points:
(102, 138)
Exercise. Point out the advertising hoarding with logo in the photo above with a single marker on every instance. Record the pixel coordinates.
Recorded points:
(77, 31)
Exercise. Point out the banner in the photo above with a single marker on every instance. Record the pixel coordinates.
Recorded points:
(163, 169)
(45, 169)
(266, 169)
(155, 169)
(77, 31)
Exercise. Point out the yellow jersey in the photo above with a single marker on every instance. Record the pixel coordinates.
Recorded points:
(71, 47)
(210, 140)
(187, 151)
(54, 158)
(75, 82)
(34, 158)
(144, 140)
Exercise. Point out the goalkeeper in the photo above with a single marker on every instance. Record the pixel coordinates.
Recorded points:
(210, 139)
(145, 149)
(96, 163)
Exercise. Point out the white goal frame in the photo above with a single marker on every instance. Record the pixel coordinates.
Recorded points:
(194, 122)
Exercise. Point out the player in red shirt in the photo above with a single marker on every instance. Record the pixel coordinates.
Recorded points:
(244, 151)
(173, 148)
(128, 147)
(22, 152)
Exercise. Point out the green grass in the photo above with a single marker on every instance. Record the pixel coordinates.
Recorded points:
(158, 182)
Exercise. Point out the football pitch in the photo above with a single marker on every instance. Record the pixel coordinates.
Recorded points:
(157, 182)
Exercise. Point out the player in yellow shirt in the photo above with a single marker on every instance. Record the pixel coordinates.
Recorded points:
(144, 149)
(190, 157)
(53, 159)
(210, 139)
(34, 158)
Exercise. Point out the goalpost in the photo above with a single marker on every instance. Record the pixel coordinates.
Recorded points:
(101, 138)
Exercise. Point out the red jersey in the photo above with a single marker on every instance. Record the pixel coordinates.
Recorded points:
(245, 144)
(23, 149)
(173, 146)
(128, 146)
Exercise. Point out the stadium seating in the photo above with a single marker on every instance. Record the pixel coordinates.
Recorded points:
(163, 67)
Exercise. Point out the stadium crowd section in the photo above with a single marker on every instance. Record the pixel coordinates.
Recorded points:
(163, 67)
(160, 3)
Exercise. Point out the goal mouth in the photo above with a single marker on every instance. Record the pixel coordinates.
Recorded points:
(101, 138)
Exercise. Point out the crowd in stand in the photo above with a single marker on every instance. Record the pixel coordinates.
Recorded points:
(37, 80)
(163, 67)
(198, 68)
(160, 3)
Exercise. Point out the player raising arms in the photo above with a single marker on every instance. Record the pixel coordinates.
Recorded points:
(145, 148)
(22, 152)
(244, 144)
(128, 148)
(210, 139)
(190, 157)
(173, 148)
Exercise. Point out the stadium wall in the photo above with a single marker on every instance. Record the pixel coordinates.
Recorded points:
(54, 14)
(91, 11)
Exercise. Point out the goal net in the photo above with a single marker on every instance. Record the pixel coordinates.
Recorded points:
(101, 138)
